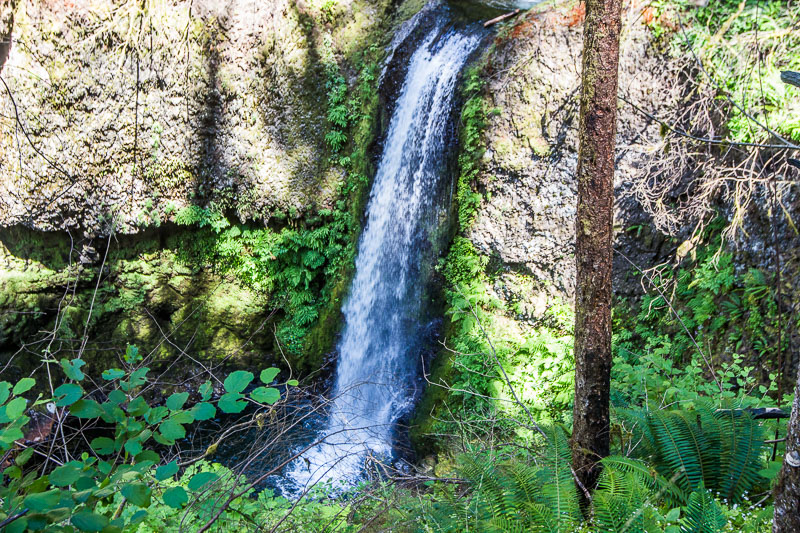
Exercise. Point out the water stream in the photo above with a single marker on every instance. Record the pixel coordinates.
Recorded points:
(378, 362)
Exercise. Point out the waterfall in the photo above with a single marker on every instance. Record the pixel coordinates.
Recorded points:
(377, 364)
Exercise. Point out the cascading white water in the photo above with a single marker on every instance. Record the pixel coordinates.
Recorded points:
(376, 369)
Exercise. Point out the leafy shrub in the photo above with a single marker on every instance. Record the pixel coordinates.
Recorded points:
(110, 482)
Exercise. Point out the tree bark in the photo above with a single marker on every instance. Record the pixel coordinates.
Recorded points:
(593, 243)
(6, 25)
(787, 489)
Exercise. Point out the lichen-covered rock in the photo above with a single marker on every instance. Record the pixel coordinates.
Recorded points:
(527, 218)
(128, 115)
(135, 121)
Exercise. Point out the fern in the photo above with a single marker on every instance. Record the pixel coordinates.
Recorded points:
(718, 450)
(703, 514)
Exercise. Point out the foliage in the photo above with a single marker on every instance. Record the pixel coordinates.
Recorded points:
(299, 265)
(718, 450)
(663, 489)
(744, 46)
(114, 479)
(538, 493)
(731, 316)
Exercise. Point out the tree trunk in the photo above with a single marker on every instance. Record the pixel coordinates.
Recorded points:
(593, 243)
(787, 490)
(6, 25)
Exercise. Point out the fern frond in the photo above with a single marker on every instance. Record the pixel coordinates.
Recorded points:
(703, 514)
(648, 477)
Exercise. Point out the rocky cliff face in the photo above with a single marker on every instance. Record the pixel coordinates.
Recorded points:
(525, 224)
(128, 115)
(134, 122)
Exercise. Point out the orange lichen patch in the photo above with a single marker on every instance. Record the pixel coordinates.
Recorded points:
(522, 29)
(576, 15)
(648, 15)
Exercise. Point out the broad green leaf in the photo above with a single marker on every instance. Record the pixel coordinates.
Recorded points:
(156, 414)
(9, 434)
(237, 381)
(86, 408)
(65, 475)
(13, 409)
(117, 397)
(205, 390)
(89, 521)
(182, 417)
(137, 493)
(102, 445)
(166, 471)
(268, 395)
(204, 411)
(113, 373)
(175, 497)
(5, 391)
(138, 517)
(200, 480)
(171, 430)
(24, 457)
(146, 456)
(73, 368)
(43, 501)
(58, 515)
(67, 394)
(133, 446)
(17, 526)
(232, 403)
(138, 406)
(176, 401)
(268, 375)
(23, 385)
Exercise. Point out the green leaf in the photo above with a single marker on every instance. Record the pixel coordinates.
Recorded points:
(24, 457)
(23, 385)
(175, 497)
(176, 401)
(293, 383)
(156, 414)
(14, 409)
(89, 521)
(5, 391)
(166, 471)
(67, 394)
(86, 408)
(171, 430)
(200, 480)
(138, 406)
(73, 368)
(9, 434)
(65, 475)
(131, 354)
(231, 403)
(137, 493)
(237, 381)
(205, 390)
(268, 375)
(267, 395)
(102, 445)
(147, 456)
(182, 417)
(43, 501)
(204, 411)
(133, 446)
(117, 397)
(113, 373)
